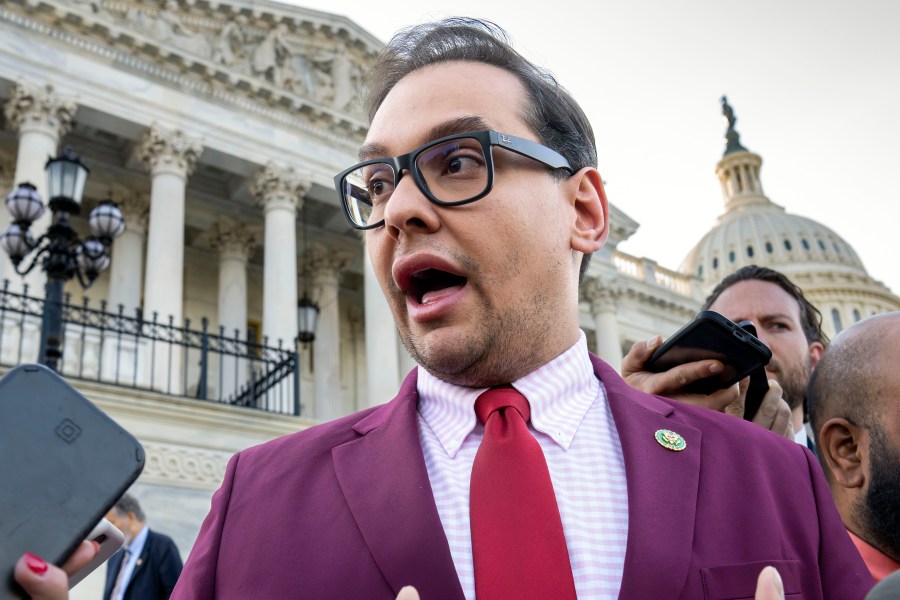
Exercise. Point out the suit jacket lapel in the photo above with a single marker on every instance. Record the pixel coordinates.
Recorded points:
(384, 480)
(662, 490)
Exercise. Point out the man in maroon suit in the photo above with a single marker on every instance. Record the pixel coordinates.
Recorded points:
(481, 203)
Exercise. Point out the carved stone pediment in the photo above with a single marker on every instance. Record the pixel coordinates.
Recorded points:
(283, 57)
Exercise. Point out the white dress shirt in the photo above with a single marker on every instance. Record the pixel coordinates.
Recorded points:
(572, 421)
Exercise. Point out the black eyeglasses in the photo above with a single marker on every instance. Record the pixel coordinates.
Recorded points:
(452, 170)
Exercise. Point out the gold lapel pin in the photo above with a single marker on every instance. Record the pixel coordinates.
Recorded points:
(670, 440)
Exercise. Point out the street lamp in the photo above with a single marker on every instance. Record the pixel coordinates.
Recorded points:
(307, 315)
(59, 251)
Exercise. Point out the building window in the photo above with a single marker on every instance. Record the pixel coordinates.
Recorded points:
(805, 244)
(716, 263)
(769, 247)
(856, 316)
(731, 256)
(836, 319)
(750, 251)
(821, 245)
(787, 245)
(836, 247)
(700, 271)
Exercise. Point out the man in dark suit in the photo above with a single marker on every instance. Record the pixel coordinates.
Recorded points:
(478, 230)
(148, 565)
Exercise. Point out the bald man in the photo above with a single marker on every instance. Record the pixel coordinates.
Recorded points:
(854, 405)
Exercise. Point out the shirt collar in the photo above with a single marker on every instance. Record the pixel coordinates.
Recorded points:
(880, 564)
(137, 544)
(560, 394)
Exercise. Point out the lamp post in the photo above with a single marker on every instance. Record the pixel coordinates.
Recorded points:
(307, 315)
(60, 252)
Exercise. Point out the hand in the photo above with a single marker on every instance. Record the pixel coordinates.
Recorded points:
(43, 581)
(410, 593)
(774, 413)
(671, 383)
(768, 586)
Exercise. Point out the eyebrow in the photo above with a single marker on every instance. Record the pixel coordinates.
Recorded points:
(451, 127)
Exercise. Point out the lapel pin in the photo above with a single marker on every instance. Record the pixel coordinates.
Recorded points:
(670, 440)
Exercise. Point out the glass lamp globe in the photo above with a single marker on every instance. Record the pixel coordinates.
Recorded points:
(106, 220)
(92, 257)
(24, 204)
(16, 241)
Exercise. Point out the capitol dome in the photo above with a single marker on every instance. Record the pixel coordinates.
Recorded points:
(755, 230)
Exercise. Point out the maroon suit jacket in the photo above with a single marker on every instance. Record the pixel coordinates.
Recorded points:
(345, 510)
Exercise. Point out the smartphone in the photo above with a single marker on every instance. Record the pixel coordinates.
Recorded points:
(110, 539)
(64, 464)
(759, 381)
(711, 336)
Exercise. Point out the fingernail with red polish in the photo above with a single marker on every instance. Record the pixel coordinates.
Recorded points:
(35, 563)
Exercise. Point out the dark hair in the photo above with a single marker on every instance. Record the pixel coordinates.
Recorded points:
(810, 317)
(551, 111)
(129, 504)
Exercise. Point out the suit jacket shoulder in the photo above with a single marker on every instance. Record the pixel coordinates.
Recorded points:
(345, 510)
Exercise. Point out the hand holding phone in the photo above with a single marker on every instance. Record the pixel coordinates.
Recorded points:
(711, 336)
(65, 463)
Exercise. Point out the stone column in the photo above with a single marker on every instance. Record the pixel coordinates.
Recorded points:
(7, 184)
(280, 191)
(325, 267)
(234, 240)
(171, 157)
(125, 283)
(382, 342)
(41, 117)
(127, 267)
(603, 294)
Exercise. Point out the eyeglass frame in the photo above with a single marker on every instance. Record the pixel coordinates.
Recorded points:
(488, 138)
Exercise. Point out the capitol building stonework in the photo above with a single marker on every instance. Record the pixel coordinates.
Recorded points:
(217, 126)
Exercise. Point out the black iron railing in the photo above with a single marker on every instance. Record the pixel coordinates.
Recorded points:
(148, 354)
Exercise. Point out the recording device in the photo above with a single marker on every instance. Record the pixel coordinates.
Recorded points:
(110, 540)
(711, 336)
(63, 464)
(759, 381)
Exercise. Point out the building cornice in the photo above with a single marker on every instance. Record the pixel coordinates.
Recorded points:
(110, 30)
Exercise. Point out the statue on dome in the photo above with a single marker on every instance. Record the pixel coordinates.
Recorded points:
(732, 137)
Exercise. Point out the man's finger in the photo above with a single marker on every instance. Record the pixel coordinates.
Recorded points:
(770, 406)
(769, 585)
(633, 362)
(408, 593)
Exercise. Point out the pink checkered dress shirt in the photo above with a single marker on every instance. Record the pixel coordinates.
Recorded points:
(571, 418)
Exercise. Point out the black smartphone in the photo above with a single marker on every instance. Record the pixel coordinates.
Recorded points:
(759, 381)
(711, 336)
(64, 464)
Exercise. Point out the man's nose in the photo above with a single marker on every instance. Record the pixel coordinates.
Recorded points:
(408, 210)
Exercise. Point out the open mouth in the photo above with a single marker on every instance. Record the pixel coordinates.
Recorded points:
(429, 285)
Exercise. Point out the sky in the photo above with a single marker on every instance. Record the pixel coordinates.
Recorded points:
(815, 85)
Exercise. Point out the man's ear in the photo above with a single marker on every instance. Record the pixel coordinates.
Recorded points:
(841, 447)
(591, 226)
(816, 349)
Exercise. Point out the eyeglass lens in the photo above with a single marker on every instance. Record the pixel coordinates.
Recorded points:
(451, 172)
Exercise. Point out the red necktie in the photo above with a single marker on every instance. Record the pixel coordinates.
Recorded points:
(518, 544)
